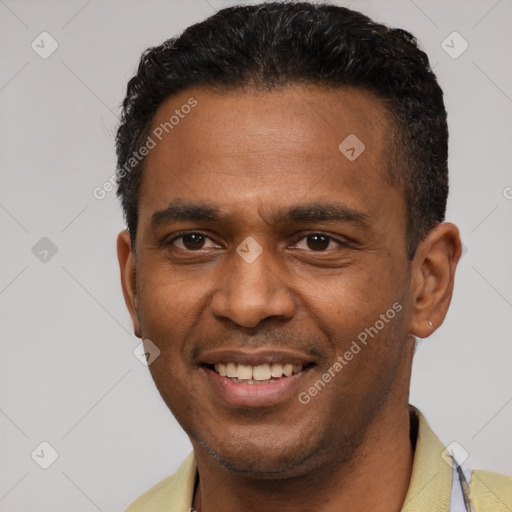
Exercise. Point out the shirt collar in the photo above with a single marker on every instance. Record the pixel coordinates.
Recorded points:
(431, 477)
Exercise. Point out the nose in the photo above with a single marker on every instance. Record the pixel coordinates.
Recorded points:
(252, 292)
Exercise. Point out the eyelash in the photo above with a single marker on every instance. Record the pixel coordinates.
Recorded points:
(181, 234)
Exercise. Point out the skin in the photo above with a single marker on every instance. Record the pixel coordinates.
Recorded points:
(254, 155)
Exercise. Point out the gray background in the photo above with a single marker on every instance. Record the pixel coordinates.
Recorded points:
(68, 373)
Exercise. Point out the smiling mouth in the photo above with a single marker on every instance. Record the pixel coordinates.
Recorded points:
(260, 374)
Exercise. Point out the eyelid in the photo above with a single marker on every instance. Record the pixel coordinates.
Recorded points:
(179, 234)
(342, 242)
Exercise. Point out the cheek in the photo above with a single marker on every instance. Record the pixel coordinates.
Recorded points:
(169, 300)
(366, 362)
(168, 311)
(362, 312)
(169, 314)
(345, 302)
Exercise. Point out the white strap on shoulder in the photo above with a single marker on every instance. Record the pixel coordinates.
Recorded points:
(457, 499)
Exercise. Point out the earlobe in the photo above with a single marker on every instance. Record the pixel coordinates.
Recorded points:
(433, 278)
(126, 260)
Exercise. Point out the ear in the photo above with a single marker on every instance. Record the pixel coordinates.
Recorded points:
(433, 275)
(126, 260)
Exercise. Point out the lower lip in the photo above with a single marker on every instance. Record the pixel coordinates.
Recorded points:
(254, 395)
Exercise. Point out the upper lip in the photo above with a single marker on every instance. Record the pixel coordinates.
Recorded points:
(255, 357)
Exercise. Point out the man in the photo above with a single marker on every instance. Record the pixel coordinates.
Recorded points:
(283, 174)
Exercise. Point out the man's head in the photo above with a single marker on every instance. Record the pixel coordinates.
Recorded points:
(270, 46)
(288, 215)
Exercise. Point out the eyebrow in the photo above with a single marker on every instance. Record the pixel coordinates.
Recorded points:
(308, 213)
(322, 212)
(185, 211)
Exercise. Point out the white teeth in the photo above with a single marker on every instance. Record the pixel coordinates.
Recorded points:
(297, 368)
(276, 370)
(221, 369)
(288, 370)
(259, 374)
(231, 370)
(244, 372)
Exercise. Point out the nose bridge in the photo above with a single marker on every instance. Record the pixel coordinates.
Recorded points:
(251, 289)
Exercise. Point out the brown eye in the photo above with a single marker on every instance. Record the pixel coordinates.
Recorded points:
(318, 242)
(192, 241)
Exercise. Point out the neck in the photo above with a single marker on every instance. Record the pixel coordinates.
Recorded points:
(376, 477)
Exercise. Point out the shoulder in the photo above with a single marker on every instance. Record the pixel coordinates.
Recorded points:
(174, 493)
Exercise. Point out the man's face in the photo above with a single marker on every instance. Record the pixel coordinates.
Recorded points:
(261, 244)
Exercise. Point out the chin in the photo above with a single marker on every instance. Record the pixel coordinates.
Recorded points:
(263, 461)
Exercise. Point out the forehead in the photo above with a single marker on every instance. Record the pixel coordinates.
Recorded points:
(243, 120)
(251, 147)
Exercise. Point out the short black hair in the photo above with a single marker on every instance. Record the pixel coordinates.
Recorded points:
(272, 45)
